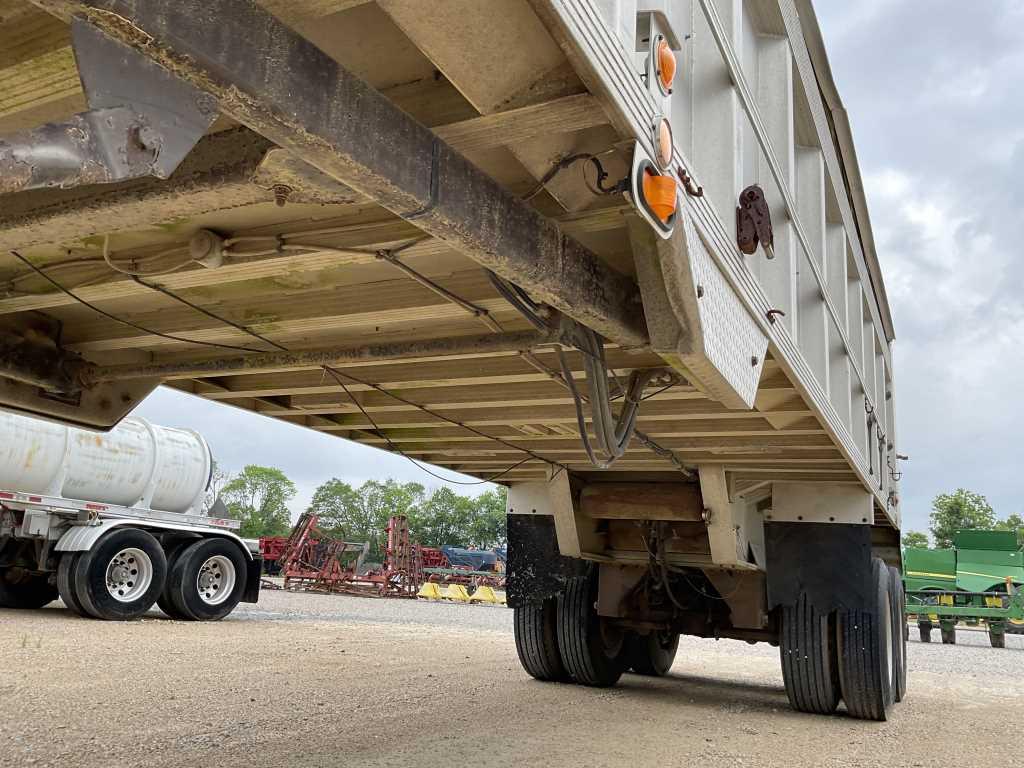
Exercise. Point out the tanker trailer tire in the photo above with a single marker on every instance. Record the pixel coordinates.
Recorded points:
(809, 665)
(591, 647)
(208, 579)
(120, 578)
(536, 633)
(164, 602)
(24, 590)
(948, 634)
(899, 635)
(865, 651)
(651, 654)
(66, 583)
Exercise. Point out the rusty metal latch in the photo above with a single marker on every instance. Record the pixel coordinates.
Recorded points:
(754, 222)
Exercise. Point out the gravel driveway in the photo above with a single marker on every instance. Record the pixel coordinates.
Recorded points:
(314, 680)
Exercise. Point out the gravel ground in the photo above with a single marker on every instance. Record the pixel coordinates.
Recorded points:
(311, 680)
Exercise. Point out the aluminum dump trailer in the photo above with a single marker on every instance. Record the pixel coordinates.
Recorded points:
(114, 523)
(613, 254)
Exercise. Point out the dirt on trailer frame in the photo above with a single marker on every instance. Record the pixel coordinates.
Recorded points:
(315, 680)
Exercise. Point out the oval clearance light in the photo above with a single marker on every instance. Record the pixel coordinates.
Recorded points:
(665, 65)
(660, 195)
(663, 146)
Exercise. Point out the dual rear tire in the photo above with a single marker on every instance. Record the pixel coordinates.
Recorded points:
(206, 581)
(564, 639)
(127, 571)
(858, 656)
(651, 654)
(855, 656)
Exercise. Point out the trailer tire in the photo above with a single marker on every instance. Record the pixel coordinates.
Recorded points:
(535, 627)
(897, 601)
(164, 602)
(66, 583)
(588, 653)
(808, 653)
(865, 652)
(208, 579)
(651, 654)
(948, 635)
(130, 552)
(23, 590)
(925, 630)
(997, 639)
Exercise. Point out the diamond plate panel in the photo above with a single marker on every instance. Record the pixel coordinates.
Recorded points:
(731, 340)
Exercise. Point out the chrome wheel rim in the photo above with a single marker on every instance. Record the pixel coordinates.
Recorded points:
(216, 580)
(129, 575)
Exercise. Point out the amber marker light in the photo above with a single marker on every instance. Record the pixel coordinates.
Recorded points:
(664, 65)
(660, 195)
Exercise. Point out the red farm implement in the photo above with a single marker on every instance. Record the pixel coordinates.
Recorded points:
(313, 561)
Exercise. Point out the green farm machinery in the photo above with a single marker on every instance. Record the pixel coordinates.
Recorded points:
(978, 581)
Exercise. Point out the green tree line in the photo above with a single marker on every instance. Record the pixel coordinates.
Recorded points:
(959, 510)
(259, 497)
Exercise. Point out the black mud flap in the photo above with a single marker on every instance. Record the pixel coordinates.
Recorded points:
(536, 569)
(253, 574)
(829, 562)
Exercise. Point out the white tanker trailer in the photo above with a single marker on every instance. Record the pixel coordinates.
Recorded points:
(113, 523)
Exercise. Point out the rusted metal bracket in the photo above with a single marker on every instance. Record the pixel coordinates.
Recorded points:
(31, 353)
(95, 147)
(691, 189)
(142, 122)
(38, 376)
(754, 222)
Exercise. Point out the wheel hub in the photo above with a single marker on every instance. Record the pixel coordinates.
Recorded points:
(129, 575)
(216, 580)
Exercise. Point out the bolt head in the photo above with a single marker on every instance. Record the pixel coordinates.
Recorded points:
(148, 137)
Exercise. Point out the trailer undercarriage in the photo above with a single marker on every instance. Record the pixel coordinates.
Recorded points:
(408, 231)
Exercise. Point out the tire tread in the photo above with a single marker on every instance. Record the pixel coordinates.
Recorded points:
(579, 638)
(808, 663)
(537, 640)
(868, 695)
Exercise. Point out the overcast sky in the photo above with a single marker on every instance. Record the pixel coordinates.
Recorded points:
(933, 90)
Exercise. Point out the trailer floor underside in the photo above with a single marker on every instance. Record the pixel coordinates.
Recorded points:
(319, 281)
